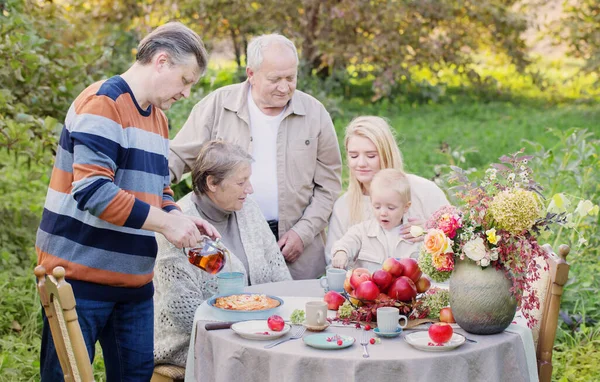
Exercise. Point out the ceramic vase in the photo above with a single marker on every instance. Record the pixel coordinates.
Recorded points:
(480, 298)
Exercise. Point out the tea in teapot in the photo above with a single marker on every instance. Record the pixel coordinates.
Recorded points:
(209, 255)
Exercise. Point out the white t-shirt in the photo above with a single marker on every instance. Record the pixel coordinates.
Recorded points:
(263, 129)
(392, 237)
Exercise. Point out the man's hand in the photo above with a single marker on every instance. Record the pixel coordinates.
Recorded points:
(291, 246)
(340, 260)
(181, 231)
(204, 227)
(405, 230)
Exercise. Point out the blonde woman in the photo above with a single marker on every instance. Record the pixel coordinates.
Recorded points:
(371, 147)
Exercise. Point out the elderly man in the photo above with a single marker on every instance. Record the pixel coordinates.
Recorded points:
(108, 191)
(296, 173)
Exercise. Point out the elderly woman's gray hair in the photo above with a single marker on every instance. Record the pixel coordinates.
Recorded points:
(254, 55)
(218, 159)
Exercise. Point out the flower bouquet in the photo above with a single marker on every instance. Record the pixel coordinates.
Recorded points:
(497, 226)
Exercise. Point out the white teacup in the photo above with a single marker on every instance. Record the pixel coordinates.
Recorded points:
(387, 319)
(316, 313)
(334, 280)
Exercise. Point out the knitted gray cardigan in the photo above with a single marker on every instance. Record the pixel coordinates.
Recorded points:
(181, 287)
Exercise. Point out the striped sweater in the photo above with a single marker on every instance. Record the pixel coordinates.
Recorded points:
(111, 166)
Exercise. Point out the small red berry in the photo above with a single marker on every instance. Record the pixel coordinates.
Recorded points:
(367, 327)
(372, 341)
(340, 342)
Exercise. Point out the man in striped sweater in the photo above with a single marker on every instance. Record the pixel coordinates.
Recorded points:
(108, 195)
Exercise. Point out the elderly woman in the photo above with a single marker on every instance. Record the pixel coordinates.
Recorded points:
(221, 184)
(370, 147)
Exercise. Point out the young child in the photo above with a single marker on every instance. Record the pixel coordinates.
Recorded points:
(368, 244)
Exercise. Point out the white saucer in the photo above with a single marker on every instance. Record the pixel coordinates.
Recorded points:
(316, 328)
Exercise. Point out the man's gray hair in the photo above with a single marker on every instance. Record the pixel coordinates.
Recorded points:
(254, 55)
(218, 159)
(178, 41)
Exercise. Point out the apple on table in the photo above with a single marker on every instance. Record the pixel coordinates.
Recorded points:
(440, 332)
(334, 300)
(446, 315)
(275, 323)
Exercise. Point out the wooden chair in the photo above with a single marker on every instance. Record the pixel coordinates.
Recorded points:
(168, 373)
(58, 301)
(550, 289)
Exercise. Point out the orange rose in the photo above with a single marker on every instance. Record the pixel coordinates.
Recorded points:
(436, 242)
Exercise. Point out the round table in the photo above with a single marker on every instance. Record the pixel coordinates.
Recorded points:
(222, 355)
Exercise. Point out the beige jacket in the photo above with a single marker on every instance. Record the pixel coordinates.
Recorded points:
(366, 246)
(426, 198)
(308, 162)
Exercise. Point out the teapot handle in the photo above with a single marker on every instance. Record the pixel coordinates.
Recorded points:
(203, 238)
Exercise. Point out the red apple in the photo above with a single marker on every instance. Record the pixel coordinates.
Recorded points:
(367, 291)
(393, 266)
(382, 278)
(333, 300)
(446, 315)
(440, 332)
(359, 275)
(383, 297)
(402, 289)
(354, 300)
(347, 287)
(423, 284)
(275, 323)
(411, 269)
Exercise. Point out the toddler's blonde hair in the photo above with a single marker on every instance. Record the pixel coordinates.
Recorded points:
(393, 179)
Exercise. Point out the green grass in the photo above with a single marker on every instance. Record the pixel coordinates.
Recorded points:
(492, 129)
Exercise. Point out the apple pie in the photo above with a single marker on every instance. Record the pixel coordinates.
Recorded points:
(246, 302)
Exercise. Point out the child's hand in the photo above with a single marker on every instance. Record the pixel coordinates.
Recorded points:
(340, 260)
(405, 230)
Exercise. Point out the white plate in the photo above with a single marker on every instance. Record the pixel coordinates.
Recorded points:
(421, 341)
(258, 330)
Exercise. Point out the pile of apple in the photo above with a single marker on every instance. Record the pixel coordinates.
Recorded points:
(399, 279)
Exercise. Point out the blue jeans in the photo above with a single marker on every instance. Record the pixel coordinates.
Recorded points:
(126, 335)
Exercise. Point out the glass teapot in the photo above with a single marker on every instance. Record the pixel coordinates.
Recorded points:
(208, 255)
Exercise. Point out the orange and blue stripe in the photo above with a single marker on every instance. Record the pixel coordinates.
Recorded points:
(111, 166)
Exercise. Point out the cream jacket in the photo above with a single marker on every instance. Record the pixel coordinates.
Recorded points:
(308, 162)
(366, 246)
(426, 198)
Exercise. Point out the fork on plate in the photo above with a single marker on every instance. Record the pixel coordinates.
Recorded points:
(297, 332)
(364, 341)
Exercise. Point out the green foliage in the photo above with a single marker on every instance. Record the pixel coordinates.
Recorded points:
(579, 30)
(576, 355)
(570, 165)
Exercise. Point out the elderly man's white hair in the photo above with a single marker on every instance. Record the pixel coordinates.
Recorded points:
(254, 55)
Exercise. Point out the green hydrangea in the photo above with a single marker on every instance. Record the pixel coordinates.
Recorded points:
(435, 299)
(297, 316)
(515, 210)
(345, 310)
(427, 267)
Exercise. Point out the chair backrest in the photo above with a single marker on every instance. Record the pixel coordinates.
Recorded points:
(558, 273)
(58, 301)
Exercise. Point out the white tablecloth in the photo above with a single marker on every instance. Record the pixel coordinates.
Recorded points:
(223, 356)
